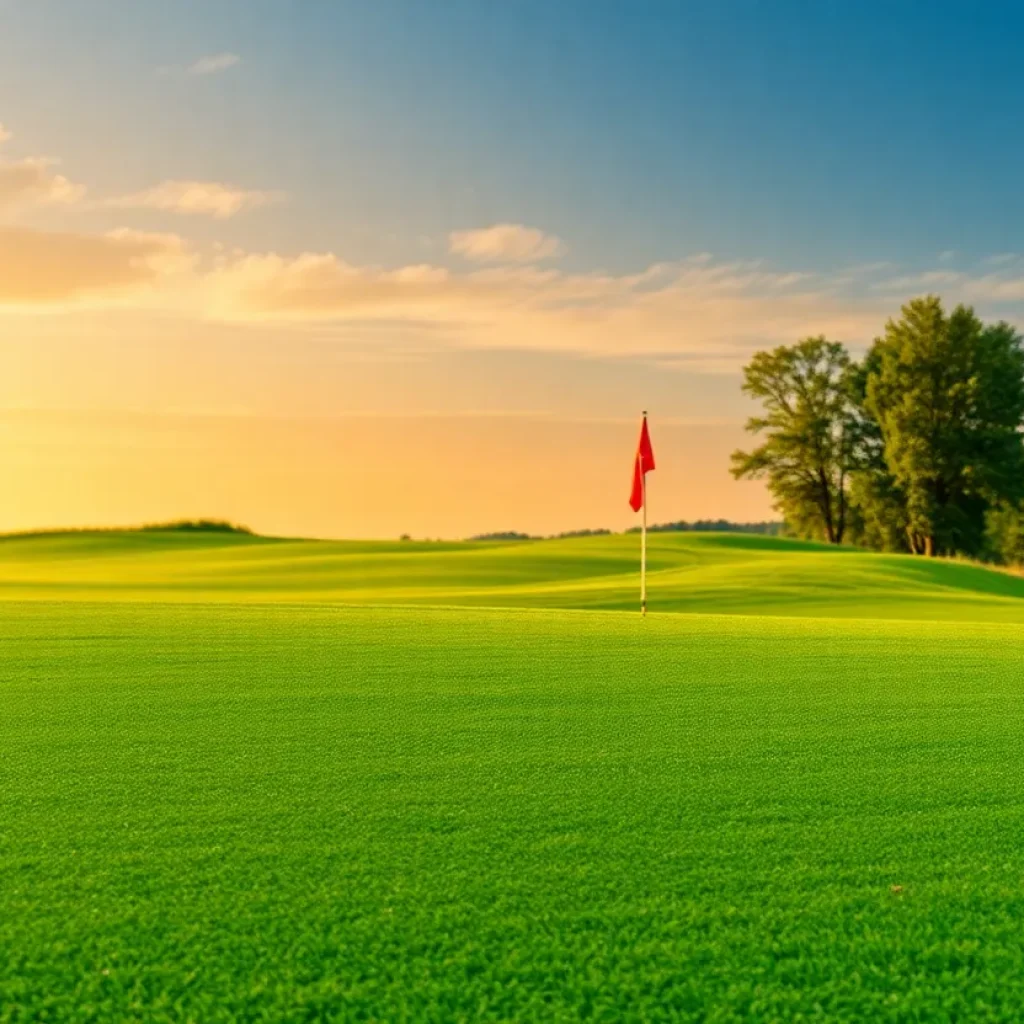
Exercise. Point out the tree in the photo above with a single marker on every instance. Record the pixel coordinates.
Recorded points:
(810, 431)
(947, 397)
(1004, 534)
(878, 517)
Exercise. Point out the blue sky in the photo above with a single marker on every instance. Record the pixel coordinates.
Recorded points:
(805, 133)
(497, 212)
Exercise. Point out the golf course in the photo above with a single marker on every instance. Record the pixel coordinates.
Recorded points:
(244, 778)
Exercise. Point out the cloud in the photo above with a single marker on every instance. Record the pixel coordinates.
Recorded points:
(712, 314)
(505, 243)
(33, 181)
(995, 286)
(320, 286)
(5, 134)
(930, 280)
(699, 314)
(210, 198)
(41, 268)
(991, 287)
(213, 64)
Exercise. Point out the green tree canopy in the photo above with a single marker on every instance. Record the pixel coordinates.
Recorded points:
(945, 395)
(810, 433)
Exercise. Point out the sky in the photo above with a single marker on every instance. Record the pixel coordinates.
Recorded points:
(357, 269)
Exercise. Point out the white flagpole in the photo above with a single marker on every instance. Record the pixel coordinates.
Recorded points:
(643, 534)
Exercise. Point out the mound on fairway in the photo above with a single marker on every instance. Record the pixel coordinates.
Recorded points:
(705, 573)
(224, 797)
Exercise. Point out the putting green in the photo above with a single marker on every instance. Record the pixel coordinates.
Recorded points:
(245, 780)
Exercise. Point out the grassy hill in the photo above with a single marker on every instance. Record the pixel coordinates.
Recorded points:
(704, 573)
(257, 779)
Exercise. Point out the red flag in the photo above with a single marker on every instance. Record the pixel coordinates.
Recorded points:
(643, 463)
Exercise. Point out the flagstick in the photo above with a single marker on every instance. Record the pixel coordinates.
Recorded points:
(643, 536)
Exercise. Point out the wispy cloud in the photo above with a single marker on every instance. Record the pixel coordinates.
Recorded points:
(209, 64)
(702, 315)
(5, 134)
(925, 281)
(712, 313)
(505, 243)
(993, 289)
(33, 181)
(213, 64)
(210, 198)
(996, 283)
(699, 314)
(52, 268)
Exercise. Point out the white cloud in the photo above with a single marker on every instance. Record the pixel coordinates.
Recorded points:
(712, 313)
(211, 198)
(505, 243)
(699, 313)
(213, 63)
(993, 288)
(929, 280)
(47, 268)
(990, 287)
(33, 181)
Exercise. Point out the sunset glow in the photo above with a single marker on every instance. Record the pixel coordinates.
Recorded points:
(295, 287)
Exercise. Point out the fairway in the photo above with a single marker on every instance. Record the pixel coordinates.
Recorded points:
(705, 573)
(250, 779)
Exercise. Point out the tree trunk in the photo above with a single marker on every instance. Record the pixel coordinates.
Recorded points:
(929, 546)
(826, 505)
(841, 527)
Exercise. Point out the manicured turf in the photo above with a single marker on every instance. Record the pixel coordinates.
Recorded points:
(236, 809)
(702, 573)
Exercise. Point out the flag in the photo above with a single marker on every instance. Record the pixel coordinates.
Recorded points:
(642, 463)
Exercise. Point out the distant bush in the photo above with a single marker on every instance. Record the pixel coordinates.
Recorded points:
(182, 525)
(580, 533)
(197, 525)
(507, 535)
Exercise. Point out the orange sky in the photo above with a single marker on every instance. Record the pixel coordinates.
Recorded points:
(358, 476)
(341, 272)
(179, 341)
(109, 418)
(129, 416)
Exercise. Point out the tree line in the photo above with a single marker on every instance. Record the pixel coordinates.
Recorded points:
(916, 447)
(772, 529)
(768, 529)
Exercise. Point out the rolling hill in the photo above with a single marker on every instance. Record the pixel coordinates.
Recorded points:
(703, 573)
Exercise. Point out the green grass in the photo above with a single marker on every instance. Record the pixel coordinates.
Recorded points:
(705, 573)
(244, 779)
